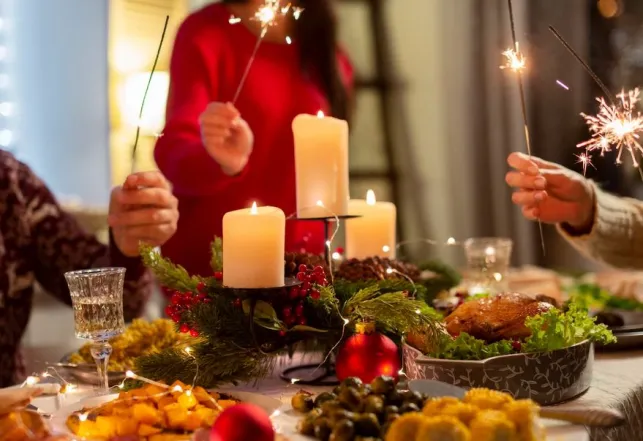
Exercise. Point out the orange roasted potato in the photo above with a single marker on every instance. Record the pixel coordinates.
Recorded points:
(151, 413)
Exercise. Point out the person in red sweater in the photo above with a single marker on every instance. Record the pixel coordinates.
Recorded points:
(222, 157)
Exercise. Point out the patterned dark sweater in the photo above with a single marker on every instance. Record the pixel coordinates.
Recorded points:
(39, 242)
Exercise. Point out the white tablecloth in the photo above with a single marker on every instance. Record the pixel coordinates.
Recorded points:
(276, 388)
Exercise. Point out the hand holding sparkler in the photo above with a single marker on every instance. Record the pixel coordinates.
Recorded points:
(550, 192)
(226, 137)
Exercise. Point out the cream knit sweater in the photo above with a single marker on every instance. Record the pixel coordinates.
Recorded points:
(616, 237)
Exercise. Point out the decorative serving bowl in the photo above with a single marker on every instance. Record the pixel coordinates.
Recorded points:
(546, 377)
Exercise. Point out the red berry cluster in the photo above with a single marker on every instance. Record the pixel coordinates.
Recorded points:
(516, 345)
(293, 312)
(308, 278)
(181, 302)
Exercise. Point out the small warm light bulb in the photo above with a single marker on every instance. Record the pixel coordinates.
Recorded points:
(490, 251)
(328, 243)
(30, 381)
(336, 256)
(83, 417)
(386, 248)
(497, 276)
(130, 374)
(320, 204)
(177, 388)
(188, 393)
(370, 197)
(234, 20)
(417, 311)
(288, 40)
(346, 321)
(389, 270)
(253, 210)
(294, 380)
(320, 114)
(451, 241)
(188, 350)
(45, 374)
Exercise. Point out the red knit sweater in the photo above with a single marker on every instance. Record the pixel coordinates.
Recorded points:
(208, 61)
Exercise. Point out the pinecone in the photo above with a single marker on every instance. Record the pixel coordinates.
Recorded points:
(293, 260)
(376, 268)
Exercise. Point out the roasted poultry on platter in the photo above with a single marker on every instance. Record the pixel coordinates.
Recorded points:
(500, 317)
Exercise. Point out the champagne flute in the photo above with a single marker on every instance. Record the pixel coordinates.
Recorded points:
(97, 300)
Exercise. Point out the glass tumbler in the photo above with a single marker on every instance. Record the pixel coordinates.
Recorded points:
(488, 260)
(97, 300)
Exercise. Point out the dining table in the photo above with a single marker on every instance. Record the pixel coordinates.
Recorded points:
(617, 383)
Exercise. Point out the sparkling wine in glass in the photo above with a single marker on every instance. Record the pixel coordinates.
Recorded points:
(97, 300)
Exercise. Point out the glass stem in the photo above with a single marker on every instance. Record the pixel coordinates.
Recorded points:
(101, 350)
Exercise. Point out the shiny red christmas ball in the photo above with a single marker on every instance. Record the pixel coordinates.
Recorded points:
(243, 422)
(367, 355)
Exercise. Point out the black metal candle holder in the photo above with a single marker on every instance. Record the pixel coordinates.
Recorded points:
(255, 295)
(326, 376)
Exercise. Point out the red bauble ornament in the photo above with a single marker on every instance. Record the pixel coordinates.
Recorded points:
(243, 422)
(218, 275)
(367, 355)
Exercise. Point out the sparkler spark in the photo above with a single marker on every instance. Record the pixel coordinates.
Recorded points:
(586, 160)
(515, 60)
(269, 12)
(616, 126)
(563, 85)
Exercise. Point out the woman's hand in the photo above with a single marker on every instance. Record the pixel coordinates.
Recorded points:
(226, 137)
(550, 192)
(142, 210)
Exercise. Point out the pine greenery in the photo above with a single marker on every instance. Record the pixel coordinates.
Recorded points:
(234, 348)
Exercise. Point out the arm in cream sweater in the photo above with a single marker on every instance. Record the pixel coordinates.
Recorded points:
(616, 235)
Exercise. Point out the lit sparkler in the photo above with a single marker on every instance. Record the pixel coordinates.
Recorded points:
(267, 15)
(616, 126)
(515, 60)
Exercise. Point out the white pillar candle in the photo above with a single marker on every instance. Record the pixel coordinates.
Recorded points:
(321, 165)
(253, 247)
(372, 234)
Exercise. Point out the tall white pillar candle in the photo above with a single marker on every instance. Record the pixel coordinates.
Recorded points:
(253, 247)
(372, 234)
(321, 165)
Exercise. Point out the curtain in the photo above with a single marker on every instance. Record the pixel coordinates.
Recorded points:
(485, 119)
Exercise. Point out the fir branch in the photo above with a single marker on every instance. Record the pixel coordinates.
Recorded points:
(216, 255)
(361, 296)
(168, 274)
(219, 363)
(394, 313)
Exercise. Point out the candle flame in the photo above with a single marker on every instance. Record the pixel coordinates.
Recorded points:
(370, 197)
(253, 210)
(320, 114)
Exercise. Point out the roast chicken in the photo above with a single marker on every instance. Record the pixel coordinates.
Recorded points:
(496, 318)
